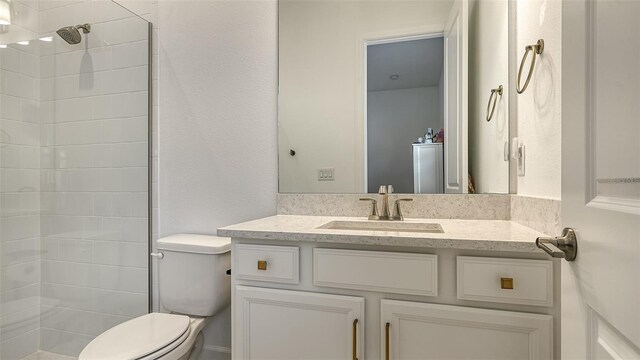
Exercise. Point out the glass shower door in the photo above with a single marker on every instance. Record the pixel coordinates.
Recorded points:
(74, 172)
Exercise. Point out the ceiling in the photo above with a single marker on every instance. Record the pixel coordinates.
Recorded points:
(418, 63)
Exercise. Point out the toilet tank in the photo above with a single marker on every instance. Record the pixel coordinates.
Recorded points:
(192, 274)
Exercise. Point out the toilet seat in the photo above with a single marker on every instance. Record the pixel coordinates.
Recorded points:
(145, 337)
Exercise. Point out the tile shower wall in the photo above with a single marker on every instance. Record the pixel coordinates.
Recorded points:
(94, 177)
(19, 193)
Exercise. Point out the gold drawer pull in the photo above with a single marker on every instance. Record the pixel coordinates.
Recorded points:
(262, 264)
(386, 340)
(355, 339)
(506, 283)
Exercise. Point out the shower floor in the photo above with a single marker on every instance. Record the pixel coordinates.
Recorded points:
(43, 355)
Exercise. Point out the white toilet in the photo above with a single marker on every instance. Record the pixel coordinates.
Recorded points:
(193, 286)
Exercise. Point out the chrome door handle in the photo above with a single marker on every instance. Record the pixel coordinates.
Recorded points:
(564, 246)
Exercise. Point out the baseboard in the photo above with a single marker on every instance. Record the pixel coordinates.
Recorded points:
(214, 352)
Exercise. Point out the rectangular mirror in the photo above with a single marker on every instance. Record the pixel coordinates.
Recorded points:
(409, 93)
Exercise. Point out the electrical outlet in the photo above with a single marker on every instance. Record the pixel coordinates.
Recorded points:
(326, 174)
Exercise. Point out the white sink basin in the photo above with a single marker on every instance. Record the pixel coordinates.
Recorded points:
(383, 226)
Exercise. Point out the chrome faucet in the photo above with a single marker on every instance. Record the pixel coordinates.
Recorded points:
(384, 214)
(385, 190)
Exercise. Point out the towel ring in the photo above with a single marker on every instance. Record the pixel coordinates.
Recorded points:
(493, 100)
(536, 49)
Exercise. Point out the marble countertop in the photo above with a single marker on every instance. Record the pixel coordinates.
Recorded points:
(498, 235)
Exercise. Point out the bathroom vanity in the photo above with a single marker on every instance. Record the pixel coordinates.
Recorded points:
(327, 287)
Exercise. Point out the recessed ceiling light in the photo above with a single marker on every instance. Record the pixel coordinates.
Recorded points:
(3, 46)
(23, 43)
(47, 38)
(394, 77)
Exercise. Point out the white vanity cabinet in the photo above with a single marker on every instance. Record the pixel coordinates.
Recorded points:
(308, 302)
(282, 324)
(413, 330)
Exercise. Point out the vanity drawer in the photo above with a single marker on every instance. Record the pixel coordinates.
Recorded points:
(267, 263)
(390, 272)
(510, 281)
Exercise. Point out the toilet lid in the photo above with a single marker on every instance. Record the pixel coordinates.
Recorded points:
(137, 337)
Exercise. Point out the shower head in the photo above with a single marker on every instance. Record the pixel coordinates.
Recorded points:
(71, 35)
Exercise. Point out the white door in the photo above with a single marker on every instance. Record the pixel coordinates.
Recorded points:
(601, 178)
(412, 330)
(281, 324)
(455, 99)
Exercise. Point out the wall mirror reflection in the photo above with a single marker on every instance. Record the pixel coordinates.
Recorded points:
(382, 92)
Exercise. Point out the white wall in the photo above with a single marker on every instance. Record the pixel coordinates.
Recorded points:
(217, 120)
(488, 68)
(318, 113)
(539, 108)
(395, 119)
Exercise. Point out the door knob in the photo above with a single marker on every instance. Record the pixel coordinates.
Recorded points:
(564, 246)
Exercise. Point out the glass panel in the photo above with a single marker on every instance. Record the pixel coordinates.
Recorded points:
(73, 174)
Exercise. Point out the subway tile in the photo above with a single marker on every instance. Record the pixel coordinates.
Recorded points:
(10, 60)
(120, 303)
(125, 229)
(20, 156)
(18, 323)
(56, 17)
(30, 111)
(27, 16)
(120, 278)
(20, 346)
(19, 251)
(20, 203)
(131, 204)
(71, 179)
(62, 342)
(19, 227)
(67, 273)
(20, 132)
(24, 180)
(120, 253)
(130, 104)
(47, 112)
(125, 179)
(131, 54)
(47, 66)
(79, 321)
(30, 65)
(49, 248)
(74, 297)
(16, 84)
(9, 107)
(16, 276)
(67, 203)
(75, 250)
(19, 299)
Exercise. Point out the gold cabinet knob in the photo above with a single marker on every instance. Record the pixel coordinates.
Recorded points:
(262, 264)
(506, 283)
